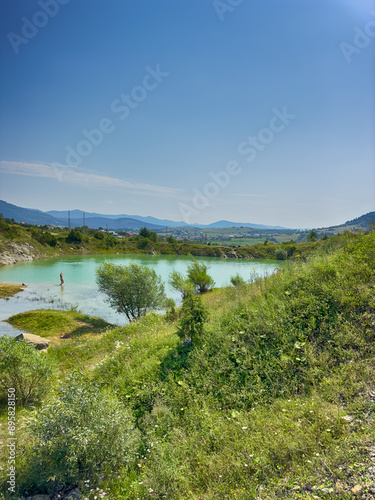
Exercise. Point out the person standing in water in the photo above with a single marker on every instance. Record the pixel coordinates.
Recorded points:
(61, 279)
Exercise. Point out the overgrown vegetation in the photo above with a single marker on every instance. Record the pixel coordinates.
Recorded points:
(25, 370)
(273, 398)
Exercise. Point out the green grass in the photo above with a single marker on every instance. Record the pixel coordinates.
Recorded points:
(275, 398)
(51, 323)
(8, 289)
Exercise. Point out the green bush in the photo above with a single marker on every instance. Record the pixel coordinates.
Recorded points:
(74, 236)
(81, 434)
(237, 280)
(197, 274)
(24, 369)
(193, 318)
(281, 254)
(132, 290)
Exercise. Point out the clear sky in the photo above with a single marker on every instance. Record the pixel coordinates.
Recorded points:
(252, 111)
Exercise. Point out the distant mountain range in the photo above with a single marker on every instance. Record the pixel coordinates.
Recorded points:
(113, 222)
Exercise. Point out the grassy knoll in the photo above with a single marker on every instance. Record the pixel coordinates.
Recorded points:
(8, 289)
(51, 323)
(274, 400)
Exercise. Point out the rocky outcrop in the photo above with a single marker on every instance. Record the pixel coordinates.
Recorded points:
(38, 342)
(17, 252)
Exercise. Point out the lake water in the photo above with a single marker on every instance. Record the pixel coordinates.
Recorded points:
(80, 289)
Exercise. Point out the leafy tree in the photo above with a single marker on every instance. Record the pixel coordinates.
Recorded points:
(24, 369)
(132, 289)
(146, 233)
(181, 284)
(171, 240)
(197, 274)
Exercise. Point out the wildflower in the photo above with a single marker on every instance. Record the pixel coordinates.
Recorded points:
(244, 428)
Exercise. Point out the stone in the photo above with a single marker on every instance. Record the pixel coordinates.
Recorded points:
(34, 340)
(73, 495)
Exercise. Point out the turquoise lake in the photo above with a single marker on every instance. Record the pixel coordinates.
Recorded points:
(80, 289)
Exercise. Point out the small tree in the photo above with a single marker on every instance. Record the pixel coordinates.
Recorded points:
(197, 274)
(181, 284)
(132, 289)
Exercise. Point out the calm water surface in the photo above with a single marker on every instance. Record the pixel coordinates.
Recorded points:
(80, 289)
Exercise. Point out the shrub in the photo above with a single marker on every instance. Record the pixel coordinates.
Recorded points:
(80, 434)
(194, 316)
(237, 280)
(281, 254)
(197, 274)
(74, 236)
(24, 369)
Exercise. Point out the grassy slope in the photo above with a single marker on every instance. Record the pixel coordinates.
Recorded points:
(259, 403)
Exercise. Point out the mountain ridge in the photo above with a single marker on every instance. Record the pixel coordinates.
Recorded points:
(95, 220)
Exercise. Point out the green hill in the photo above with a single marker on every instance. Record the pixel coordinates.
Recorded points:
(274, 398)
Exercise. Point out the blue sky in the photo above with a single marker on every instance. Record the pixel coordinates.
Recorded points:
(258, 111)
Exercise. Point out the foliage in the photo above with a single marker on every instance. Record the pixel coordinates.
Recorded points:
(146, 233)
(181, 284)
(312, 235)
(237, 280)
(24, 369)
(81, 434)
(171, 313)
(43, 237)
(281, 254)
(74, 236)
(193, 318)
(132, 289)
(197, 274)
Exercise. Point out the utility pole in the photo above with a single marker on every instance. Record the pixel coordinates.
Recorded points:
(69, 219)
(84, 230)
